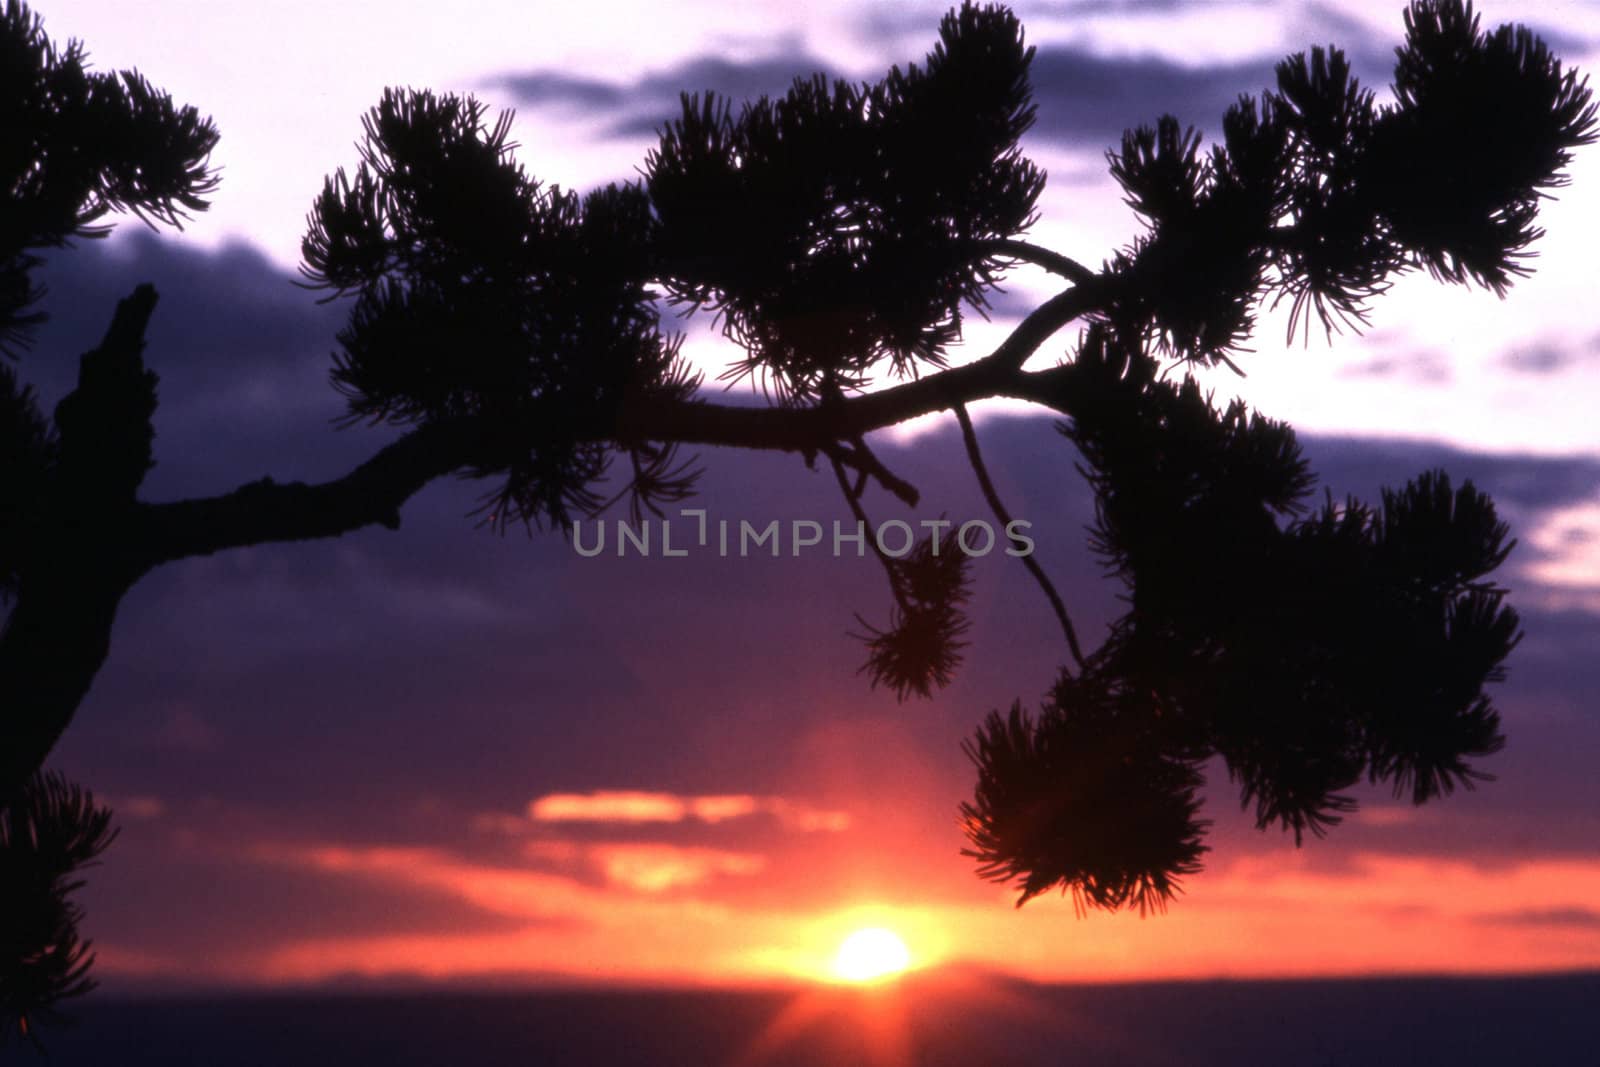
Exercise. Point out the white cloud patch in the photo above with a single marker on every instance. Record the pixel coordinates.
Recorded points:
(1567, 541)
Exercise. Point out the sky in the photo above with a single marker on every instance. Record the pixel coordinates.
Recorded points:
(441, 756)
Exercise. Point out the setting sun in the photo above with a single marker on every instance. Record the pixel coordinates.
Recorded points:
(870, 954)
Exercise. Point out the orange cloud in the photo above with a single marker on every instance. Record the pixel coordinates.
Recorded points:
(646, 920)
(509, 891)
(717, 808)
(628, 806)
(608, 806)
(1255, 917)
(654, 868)
(809, 820)
(612, 933)
(645, 867)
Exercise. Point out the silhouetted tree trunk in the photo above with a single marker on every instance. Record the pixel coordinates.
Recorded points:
(82, 559)
(53, 645)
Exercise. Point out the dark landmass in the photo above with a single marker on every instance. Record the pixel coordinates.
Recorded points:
(964, 1021)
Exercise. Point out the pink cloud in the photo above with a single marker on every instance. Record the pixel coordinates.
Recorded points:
(633, 807)
(608, 806)
(656, 868)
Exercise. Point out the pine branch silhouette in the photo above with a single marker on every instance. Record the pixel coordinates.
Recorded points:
(48, 836)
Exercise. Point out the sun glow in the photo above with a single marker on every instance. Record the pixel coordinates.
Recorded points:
(870, 954)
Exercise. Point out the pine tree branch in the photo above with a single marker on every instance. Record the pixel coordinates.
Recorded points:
(807, 429)
(853, 498)
(970, 437)
(1054, 262)
(864, 460)
(373, 493)
(266, 511)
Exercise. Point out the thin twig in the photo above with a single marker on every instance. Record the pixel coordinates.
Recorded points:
(860, 456)
(854, 500)
(863, 459)
(971, 438)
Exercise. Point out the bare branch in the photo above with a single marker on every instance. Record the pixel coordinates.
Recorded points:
(266, 511)
(864, 460)
(853, 498)
(1054, 262)
(970, 436)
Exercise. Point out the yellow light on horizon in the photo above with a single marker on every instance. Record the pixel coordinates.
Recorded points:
(870, 954)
